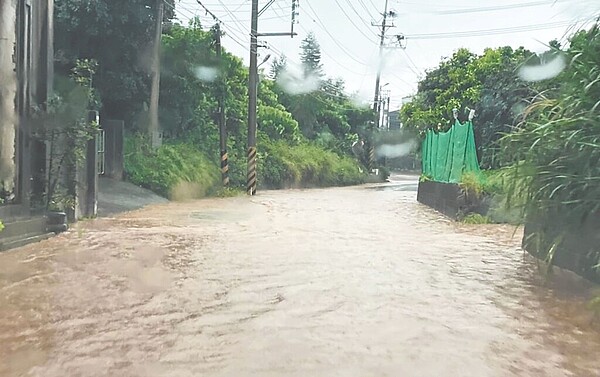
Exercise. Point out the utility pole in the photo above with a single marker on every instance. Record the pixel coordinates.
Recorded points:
(376, 100)
(252, 100)
(387, 113)
(384, 26)
(221, 87)
(154, 128)
(253, 86)
(221, 104)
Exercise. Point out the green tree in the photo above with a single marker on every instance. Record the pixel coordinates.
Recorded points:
(118, 35)
(487, 83)
(557, 148)
(310, 56)
(279, 64)
(190, 91)
(326, 114)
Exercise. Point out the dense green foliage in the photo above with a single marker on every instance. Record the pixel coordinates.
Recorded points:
(311, 56)
(557, 146)
(193, 79)
(487, 83)
(63, 126)
(543, 134)
(118, 35)
(305, 165)
(175, 170)
(323, 109)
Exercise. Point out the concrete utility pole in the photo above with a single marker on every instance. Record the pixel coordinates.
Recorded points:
(253, 85)
(387, 113)
(252, 100)
(384, 26)
(221, 98)
(376, 99)
(154, 127)
(221, 104)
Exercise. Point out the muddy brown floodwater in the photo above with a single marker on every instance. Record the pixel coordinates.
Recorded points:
(339, 282)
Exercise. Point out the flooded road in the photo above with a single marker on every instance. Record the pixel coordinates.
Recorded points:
(349, 282)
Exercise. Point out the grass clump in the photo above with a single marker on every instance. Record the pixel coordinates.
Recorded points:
(472, 183)
(229, 192)
(175, 170)
(476, 219)
(305, 165)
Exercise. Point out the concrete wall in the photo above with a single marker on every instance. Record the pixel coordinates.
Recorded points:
(8, 91)
(579, 247)
(26, 71)
(449, 199)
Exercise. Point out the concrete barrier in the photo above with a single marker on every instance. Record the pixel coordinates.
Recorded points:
(450, 199)
(577, 239)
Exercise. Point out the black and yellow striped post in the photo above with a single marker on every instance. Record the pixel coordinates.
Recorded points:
(222, 113)
(225, 168)
(251, 188)
(371, 156)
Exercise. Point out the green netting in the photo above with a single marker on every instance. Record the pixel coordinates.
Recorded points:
(447, 155)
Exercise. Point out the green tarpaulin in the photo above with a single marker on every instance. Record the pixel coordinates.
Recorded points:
(447, 155)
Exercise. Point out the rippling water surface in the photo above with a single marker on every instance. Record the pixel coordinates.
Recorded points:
(338, 282)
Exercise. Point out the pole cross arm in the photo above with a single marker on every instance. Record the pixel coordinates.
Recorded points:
(283, 34)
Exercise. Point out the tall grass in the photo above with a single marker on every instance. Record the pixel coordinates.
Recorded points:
(178, 170)
(175, 170)
(556, 149)
(306, 165)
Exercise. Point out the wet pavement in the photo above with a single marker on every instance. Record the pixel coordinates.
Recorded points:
(339, 282)
(115, 196)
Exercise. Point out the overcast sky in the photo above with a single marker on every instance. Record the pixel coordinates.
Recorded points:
(349, 43)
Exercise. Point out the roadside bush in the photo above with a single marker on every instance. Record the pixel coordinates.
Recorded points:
(305, 165)
(472, 183)
(176, 170)
(557, 148)
(179, 171)
(476, 219)
(492, 186)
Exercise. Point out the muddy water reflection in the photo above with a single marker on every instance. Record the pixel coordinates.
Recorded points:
(344, 282)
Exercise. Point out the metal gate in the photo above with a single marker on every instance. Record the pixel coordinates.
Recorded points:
(101, 149)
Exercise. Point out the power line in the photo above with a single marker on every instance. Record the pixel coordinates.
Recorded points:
(237, 23)
(324, 83)
(362, 4)
(359, 16)
(209, 12)
(415, 70)
(337, 62)
(239, 6)
(324, 52)
(400, 78)
(478, 33)
(278, 17)
(462, 9)
(179, 9)
(352, 22)
(235, 38)
(373, 5)
(231, 35)
(278, 6)
(496, 8)
(316, 18)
